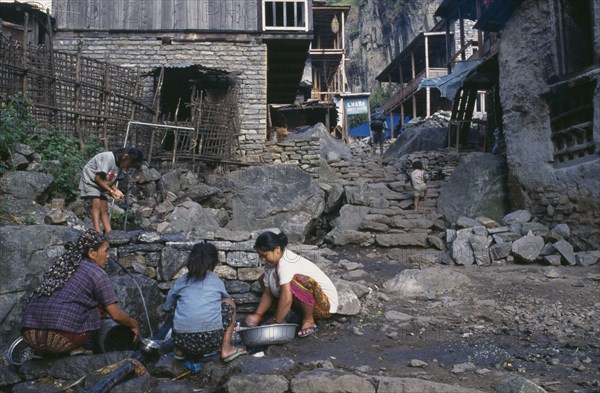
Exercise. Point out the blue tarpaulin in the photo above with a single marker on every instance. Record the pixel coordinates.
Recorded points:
(448, 85)
(363, 129)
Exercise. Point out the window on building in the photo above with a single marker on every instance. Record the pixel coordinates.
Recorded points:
(575, 35)
(571, 120)
(285, 15)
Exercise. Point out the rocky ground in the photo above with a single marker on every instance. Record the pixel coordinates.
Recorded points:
(529, 321)
(478, 328)
(508, 321)
(532, 321)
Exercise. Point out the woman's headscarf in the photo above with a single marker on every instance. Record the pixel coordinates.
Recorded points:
(64, 266)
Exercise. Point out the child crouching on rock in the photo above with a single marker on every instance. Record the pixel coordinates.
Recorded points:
(204, 313)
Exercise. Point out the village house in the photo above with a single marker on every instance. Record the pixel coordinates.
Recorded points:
(550, 97)
(542, 98)
(324, 74)
(206, 63)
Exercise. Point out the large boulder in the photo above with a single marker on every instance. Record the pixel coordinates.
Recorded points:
(21, 211)
(477, 187)
(130, 289)
(417, 139)
(26, 253)
(274, 196)
(345, 226)
(27, 185)
(427, 283)
(190, 217)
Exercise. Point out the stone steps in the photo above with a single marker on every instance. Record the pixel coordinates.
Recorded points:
(391, 220)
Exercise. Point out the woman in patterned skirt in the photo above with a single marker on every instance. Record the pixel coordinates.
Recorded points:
(64, 310)
(291, 280)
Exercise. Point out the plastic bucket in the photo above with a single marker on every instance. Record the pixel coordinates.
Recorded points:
(114, 337)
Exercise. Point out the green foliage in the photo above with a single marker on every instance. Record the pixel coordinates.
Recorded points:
(378, 97)
(15, 121)
(29, 220)
(54, 146)
(117, 220)
(18, 126)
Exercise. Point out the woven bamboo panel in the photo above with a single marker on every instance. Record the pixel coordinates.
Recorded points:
(85, 98)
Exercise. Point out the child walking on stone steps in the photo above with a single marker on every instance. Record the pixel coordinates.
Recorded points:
(98, 180)
(418, 180)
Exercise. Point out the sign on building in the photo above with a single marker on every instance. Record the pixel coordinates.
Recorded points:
(357, 105)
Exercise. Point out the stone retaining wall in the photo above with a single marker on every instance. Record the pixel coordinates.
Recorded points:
(303, 153)
(245, 59)
(581, 213)
(163, 257)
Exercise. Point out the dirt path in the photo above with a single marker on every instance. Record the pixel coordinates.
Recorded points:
(511, 320)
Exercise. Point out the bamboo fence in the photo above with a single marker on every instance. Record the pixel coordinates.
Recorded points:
(82, 97)
(97, 101)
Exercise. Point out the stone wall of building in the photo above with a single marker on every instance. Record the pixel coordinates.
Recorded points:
(245, 59)
(555, 192)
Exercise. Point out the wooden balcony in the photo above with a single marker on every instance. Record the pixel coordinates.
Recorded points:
(410, 88)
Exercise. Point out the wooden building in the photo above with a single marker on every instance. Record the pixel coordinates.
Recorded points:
(324, 74)
(424, 57)
(242, 54)
(20, 19)
(429, 55)
(327, 51)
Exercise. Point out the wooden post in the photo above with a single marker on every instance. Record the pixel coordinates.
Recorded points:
(156, 109)
(479, 32)
(448, 47)
(106, 92)
(52, 72)
(402, 114)
(462, 35)
(343, 44)
(136, 91)
(174, 155)
(77, 96)
(427, 90)
(24, 55)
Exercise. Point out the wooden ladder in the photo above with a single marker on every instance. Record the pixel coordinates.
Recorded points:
(462, 115)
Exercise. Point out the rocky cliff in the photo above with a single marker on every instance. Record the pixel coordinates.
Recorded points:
(377, 31)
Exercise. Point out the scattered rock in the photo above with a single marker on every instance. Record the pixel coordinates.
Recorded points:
(425, 283)
(417, 363)
(463, 367)
(528, 248)
(551, 273)
(519, 385)
(566, 250)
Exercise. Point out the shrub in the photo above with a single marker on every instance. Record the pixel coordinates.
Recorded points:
(18, 126)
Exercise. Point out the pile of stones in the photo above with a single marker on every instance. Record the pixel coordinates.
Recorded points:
(483, 241)
(437, 120)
